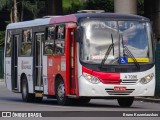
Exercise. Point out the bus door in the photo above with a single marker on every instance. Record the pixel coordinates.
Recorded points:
(14, 61)
(37, 61)
(73, 78)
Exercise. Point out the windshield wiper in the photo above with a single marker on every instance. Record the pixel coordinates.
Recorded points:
(125, 48)
(107, 52)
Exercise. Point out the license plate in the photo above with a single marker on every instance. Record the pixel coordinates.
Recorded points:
(117, 88)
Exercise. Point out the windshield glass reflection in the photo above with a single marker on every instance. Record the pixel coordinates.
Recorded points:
(97, 39)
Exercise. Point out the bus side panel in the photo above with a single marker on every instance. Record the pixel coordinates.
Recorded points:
(55, 66)
(44, 74)
(25, 65)
(8, 73)
(50, 75)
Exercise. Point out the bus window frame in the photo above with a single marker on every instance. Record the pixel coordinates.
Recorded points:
(55, 39)
(46, 39)
(10, 45)
(22, 43)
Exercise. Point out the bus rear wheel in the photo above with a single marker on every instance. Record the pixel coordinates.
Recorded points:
(26, 96)
(60, 93)
(126, 101)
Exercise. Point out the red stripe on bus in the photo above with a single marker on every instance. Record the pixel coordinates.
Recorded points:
(105, 77)
(63, 19)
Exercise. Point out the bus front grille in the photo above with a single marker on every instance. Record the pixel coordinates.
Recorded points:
(129, 82)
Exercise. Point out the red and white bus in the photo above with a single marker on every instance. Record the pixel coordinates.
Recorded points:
(81, 56)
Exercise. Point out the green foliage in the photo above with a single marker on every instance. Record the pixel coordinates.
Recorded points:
(35, 7)
(2, 4)
(67, 3)
(140, 7)
(2, 37)
(5, 3)
(72, 6)
(107, 5)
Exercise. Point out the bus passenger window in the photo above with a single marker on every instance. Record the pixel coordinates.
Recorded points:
(49, 42)
(59, 47)
(60, 40)
(8, 44)
(27, 35)
(26, 49)
(48, 48)
(26, 43)
(51, 33)
(60, 32)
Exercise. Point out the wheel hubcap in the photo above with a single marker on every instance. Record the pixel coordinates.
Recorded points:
(61, 91)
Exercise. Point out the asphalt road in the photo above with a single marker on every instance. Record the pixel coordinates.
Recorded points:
(12, 102)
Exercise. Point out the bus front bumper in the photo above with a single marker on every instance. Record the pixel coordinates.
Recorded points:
(88, 89)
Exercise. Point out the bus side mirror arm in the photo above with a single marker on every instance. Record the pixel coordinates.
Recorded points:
(79, 34)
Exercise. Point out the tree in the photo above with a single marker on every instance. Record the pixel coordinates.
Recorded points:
(72, 6)
(15, 18)
(107, 5)
(3, 4)
(34, 8)
(13, 9)
(2, 36)
(54, 7)
(140, 7)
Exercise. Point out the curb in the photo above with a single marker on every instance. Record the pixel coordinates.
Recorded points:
(147, 99)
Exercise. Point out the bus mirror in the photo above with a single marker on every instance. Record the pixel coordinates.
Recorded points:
(79, 34)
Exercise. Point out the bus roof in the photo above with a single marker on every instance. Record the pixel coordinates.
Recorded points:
(116, 16)
(30, 23)
(74, 18)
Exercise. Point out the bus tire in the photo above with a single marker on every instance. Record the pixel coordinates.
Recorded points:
(26, 96)
(126, 101)
(60, 93)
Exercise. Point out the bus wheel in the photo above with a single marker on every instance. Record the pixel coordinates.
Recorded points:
(26, 96)
(60, 93)
(125, 102)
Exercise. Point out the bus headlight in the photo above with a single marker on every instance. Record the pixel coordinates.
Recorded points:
(147, 79)
(91, 78)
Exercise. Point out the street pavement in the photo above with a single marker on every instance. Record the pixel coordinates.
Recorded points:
(10, 101)
(145, 99)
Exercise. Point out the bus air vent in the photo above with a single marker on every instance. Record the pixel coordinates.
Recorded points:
(129, 82)
(50, 16)
(91, 11)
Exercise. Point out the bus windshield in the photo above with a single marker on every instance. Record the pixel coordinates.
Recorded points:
(100, 34)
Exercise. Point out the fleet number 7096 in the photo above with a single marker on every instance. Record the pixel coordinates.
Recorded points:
(130, 77)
